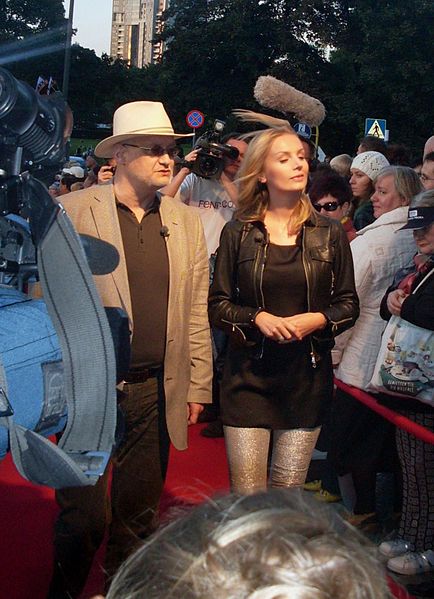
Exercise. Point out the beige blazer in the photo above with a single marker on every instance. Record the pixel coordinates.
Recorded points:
(188, 361)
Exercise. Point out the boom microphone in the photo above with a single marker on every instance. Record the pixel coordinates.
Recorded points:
(277, 95)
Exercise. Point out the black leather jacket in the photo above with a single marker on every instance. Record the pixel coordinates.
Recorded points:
(236, 292)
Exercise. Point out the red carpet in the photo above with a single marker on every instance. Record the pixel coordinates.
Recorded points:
(27, 514)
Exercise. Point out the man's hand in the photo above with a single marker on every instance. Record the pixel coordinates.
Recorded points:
(105, 174)
(394, 301)
(193, 411)
(172, 188)
(191, 156)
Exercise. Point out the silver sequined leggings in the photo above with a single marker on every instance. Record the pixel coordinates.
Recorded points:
(247, 450)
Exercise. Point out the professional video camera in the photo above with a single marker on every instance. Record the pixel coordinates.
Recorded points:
(211, 153)
(57, 358)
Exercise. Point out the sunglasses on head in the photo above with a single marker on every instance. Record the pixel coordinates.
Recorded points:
(328, 206)
(157, 150)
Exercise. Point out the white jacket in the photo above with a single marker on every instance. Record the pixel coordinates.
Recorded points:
(379, 250)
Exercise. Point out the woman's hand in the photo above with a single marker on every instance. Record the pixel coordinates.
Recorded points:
(289, 328)
(274, 327)
(394, 301)
(305, 323)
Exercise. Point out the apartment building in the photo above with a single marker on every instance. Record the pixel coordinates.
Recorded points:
(135, 23)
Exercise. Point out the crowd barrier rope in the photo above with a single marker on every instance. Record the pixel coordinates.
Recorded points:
(397, 419)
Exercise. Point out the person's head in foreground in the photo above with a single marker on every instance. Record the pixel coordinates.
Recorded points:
(273, 545)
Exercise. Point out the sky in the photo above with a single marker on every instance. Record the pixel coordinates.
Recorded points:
(92, 19)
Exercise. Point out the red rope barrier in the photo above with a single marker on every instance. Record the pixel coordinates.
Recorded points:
(401, 421)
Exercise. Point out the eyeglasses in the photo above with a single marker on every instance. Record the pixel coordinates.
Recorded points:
(424, 177)
(157, 150)
(328, 206)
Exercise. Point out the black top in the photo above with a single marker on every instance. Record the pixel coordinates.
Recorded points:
(266, 384)
(148, 278)
(274, 392)
(236, 292)
(284, 281)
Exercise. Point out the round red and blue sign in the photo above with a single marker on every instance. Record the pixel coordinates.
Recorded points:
(195, 119)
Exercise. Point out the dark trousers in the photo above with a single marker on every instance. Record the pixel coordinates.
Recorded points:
(361, 443)
(130, 510)
(417, 461)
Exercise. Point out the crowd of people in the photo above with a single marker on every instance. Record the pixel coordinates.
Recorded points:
(248, 293)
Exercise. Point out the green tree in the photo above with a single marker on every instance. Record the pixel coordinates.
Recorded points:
(360, 57)
(217, 49)
(19, 19)
(383, 66)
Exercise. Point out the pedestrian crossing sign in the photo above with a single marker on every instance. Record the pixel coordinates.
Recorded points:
(376, 127)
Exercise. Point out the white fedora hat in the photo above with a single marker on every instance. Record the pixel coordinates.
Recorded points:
(134, 120)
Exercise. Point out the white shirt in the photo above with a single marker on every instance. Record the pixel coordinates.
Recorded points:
(213, 204)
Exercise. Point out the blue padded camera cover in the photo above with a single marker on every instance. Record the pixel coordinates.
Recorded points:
(32, 361)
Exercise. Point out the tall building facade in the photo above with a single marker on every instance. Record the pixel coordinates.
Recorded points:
(135, 23)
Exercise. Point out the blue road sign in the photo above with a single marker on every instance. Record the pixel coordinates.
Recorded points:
(303, 129)
(376, 127)
(195, 119)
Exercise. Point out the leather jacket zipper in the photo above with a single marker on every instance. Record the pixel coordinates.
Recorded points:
(313, 354)
(335, 323)
(264, 257)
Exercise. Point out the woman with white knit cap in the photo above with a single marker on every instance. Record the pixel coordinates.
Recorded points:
(364, 169)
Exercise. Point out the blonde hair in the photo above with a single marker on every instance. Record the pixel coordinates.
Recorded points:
(405, 179)
(253, 196)
(273, 545)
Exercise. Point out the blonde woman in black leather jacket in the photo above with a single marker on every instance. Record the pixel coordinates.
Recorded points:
(283, 288)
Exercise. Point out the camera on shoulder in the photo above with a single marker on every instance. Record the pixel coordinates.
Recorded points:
(212, 152)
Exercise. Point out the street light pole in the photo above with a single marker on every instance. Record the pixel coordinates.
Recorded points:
(67, 62)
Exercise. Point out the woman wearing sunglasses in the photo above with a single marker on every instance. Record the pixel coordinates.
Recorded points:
(331, 196)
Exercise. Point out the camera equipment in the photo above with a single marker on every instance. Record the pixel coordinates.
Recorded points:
(211, 153)
(57, 360)
(278, 95)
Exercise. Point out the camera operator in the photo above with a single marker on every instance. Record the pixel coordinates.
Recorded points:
(215, 199)
(162, 283)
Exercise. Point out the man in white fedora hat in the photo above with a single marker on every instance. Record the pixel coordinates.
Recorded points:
(162, 284)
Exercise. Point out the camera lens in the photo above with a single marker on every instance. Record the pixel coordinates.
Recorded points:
(209, 165)
(231, 152)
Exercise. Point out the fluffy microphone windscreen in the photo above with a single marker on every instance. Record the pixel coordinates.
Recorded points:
(273, 93)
